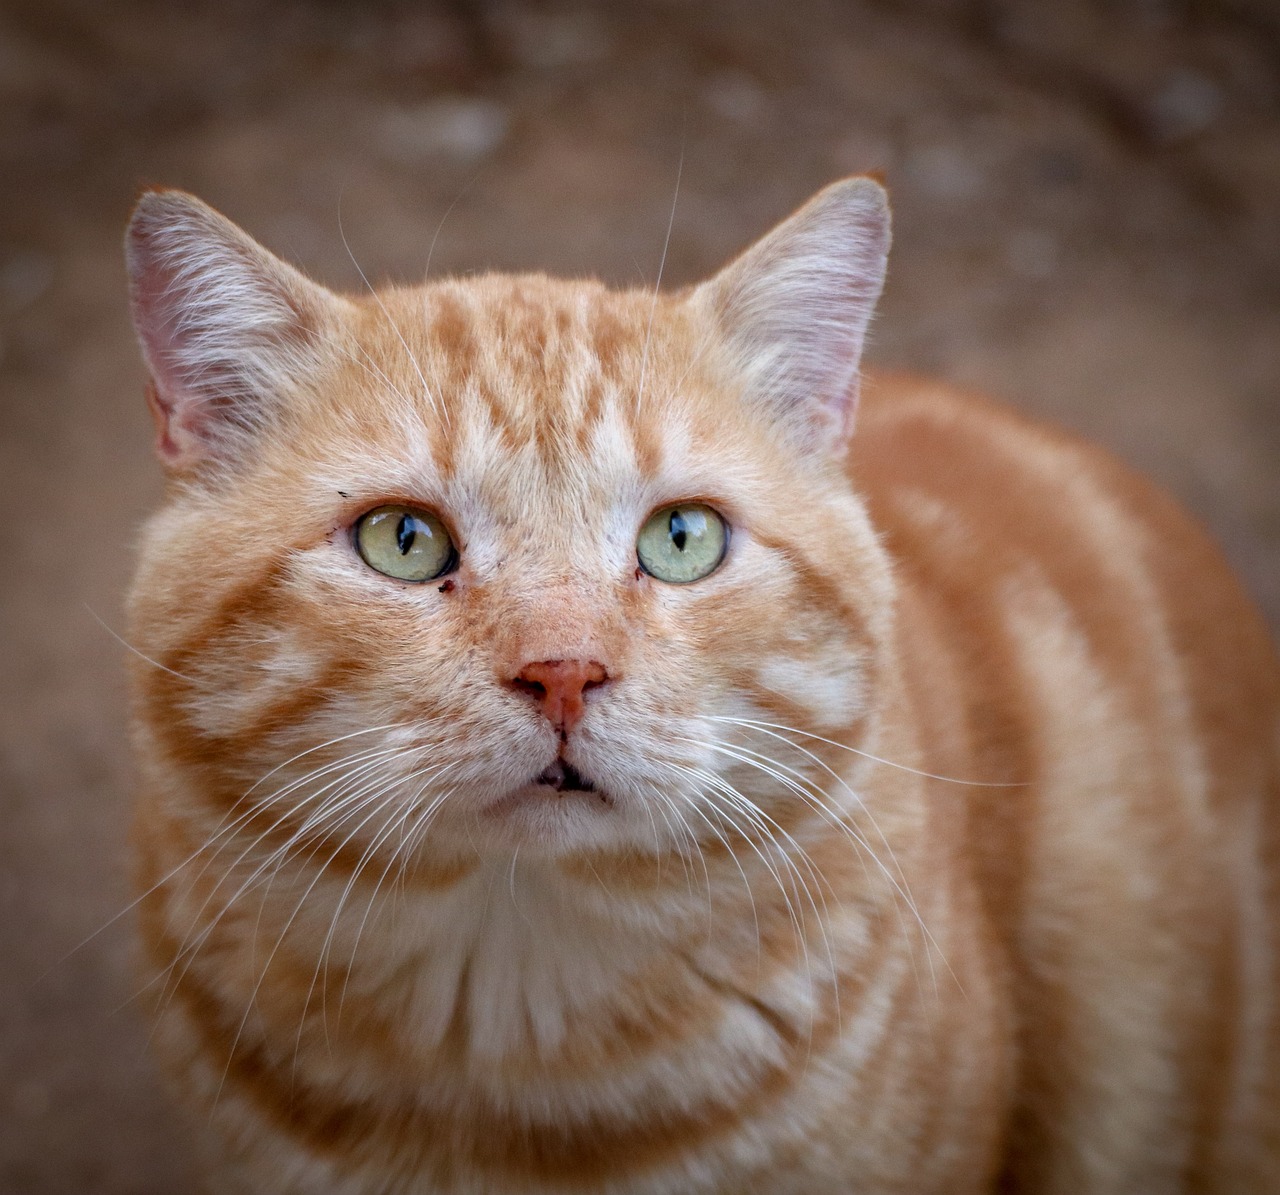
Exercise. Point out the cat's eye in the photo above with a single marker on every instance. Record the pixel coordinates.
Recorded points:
(682, 543)
(405, 542)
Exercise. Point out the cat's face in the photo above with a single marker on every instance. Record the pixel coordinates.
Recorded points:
(507, 562)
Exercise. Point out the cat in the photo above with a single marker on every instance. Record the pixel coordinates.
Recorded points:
(591, 741)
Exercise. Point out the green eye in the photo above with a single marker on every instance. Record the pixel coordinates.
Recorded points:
(406, 543)
(682, 543)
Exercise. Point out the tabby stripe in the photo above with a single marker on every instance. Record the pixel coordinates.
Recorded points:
(593, 1149)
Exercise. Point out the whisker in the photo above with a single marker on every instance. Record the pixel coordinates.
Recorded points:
(370, 761)
(377, 298)
(411, 808)
(874, 758)
(471, 182)
(370, 366)
(102, 622)
(253, 995)
(356, 799)
(817, 797)
(666, 802)
(219, 832)
(857, 800)
(653, 307)
(431, 772)
(746, 883)
(769, 829)
(322, 963)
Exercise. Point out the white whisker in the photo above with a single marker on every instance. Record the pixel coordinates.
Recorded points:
(125, 643)
(876, 758)
(377, 298)
(653, 307)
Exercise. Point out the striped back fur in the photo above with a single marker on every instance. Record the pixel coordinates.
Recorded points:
(928, 843)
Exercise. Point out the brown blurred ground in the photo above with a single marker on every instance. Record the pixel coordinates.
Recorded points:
(1087, 224)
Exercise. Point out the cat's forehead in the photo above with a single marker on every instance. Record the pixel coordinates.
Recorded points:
(512, 383)
(536, 353)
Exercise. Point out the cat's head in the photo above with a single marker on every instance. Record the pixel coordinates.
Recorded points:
(506, 561)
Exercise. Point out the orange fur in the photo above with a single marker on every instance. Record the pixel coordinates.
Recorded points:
(936, 844)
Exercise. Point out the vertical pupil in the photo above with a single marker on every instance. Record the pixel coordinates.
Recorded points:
(679, 530)
(405, 534)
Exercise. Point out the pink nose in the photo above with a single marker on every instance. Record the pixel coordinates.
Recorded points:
(558, 687)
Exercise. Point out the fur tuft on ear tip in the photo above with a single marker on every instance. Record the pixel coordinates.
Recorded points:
(159, 202)
(222, 323)
(163, 219)
(795, 307)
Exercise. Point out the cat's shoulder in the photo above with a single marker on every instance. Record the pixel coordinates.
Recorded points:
(920, 435)
(972, 495)
(901, 412)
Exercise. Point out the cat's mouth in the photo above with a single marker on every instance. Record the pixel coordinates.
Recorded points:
(563, 777)
(558, 791)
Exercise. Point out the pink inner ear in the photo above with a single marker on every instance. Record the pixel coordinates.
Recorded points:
(173, 448)
(169, 437)
(177, 444)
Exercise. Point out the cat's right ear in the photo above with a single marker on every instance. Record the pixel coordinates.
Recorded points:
(226, 328)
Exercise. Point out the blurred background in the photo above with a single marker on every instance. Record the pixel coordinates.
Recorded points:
(1087, 224)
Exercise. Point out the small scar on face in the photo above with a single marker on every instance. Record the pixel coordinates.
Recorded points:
(447, 587)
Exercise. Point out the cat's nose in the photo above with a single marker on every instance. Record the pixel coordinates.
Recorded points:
(558, 687)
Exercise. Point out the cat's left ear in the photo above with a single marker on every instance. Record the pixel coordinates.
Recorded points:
(794, 308)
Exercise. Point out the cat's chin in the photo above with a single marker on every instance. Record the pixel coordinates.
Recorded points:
(553, 816)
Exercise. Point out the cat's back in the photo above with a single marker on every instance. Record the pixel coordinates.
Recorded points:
(1067, 630)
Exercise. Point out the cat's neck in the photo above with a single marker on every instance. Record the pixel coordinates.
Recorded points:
(525, 949)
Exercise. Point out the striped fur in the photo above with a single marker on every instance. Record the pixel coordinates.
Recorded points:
(937, 843)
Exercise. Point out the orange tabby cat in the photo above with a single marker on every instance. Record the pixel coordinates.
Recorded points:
(568, 768)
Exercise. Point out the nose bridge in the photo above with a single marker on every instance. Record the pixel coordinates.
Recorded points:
(549, 589)
(560, 620)
(560, 642)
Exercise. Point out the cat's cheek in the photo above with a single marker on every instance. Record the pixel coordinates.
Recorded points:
(778, 652)
(233, 687)
(830, 698)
